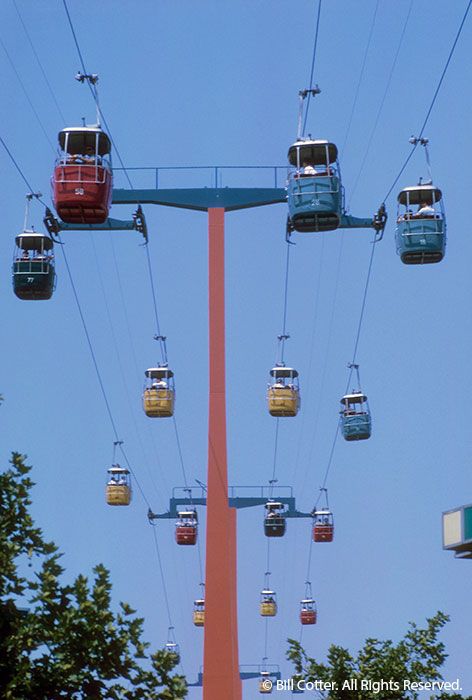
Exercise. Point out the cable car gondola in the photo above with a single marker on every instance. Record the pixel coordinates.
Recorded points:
(268, 604)
(323, 526)
(356, 422)
(82, 182)
(186, 527)
(171, 645)
(275, 522)
(314, 187)
(33, 270)
(421, 234)
(265, 684)
(283, 394)
(159, 393)
(118, 491)
(308, 612)
(199, 612)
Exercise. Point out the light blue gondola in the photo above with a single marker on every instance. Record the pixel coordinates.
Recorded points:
(314, 186)
(421, 234)
(356, 421)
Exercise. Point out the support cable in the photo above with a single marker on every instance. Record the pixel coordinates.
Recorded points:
(39, 63)
(120, 364)
(98, 373)
(361, 75)
(159, 337)
(364, 300)
(382, 102)
(287, 269)
(188, 489)
(415, 144)
(312, 72)
(50, 89)
(22, 175)
(93, 90)
(161, 570)
(433, 101)
(94, 93)
(30, 102)
(117, 442)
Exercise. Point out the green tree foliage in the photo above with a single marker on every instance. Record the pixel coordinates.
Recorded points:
(416, 659)
(64, 641)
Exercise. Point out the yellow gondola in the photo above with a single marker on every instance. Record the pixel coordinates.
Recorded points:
(283, 394)
(159, 393)
(118, 490)
(199, 612)
(268, 604)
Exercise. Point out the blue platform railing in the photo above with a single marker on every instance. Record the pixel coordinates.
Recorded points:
(215, 176)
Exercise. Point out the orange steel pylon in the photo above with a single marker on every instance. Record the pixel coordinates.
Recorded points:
(220, 657)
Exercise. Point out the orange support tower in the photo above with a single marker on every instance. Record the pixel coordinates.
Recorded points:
(220, 657)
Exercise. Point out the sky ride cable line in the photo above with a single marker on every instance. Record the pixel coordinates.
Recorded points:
(94, 92)
(30, 102)
(361, 75)
(433, 101)
(382, 102)
(158, 336)
(189, 491)
(118, 442)
(58, 107)
(312, 72)
(120, 363)
(98, 373)
(19, 170)
(85, 328)
(280, 362)
(415, 142)
(92, 87)
(95, 96)
(22, 175)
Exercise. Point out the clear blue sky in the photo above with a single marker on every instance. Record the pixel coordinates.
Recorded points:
(214, 83)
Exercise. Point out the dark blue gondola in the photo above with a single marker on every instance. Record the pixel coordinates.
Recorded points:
(33, 270)
(275, 523)
(314, 186)
(421, 233)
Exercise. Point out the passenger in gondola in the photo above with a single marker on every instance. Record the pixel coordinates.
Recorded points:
(90, 155)
(25, 255)
(425, 211)
(308, 169)
(161, 384)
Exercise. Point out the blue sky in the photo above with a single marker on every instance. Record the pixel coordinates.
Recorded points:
(214, 83)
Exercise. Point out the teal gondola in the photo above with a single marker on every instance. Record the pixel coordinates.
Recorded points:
(356, 421)
(314, 189)
(34, 276)
(421, 234)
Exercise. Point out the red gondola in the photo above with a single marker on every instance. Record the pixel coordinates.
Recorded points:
(186, 527)
(82, 182)
(308, 611)
(323, 526)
